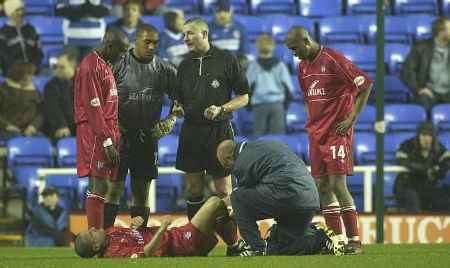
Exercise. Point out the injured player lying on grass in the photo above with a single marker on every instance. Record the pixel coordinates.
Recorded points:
(197, 238)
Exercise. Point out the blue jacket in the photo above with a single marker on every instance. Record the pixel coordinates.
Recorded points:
(232, 37)
(172, 47)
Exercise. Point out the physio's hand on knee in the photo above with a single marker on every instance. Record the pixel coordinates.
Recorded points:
(112, 154)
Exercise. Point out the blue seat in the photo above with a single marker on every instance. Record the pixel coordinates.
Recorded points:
(343, 29)
(41, 7)
(366, 119)
(296, 118)
(29, 151)
(394, 56)
(50, 29)
(355, 185)
(446, 7)
(396, 30)
(26, 179)
(441, 116)
(309, 8)
(416, 6)
(40, 81)
(364, 148)
(66, 186)
(155, 21)
(304, 143)
(254, 25)
(419, 26)
(392, 142)
(404, 117)
(274, 6)
(364, 56)
(81, 189)
(282, 23)
(358, 7)
(395, 90)
(389, 182)
(188, 6)
(51, 52)
(66, 152)
(444, 138)
(290, 140)
(244, 120)
(167, 150)
(239, 6)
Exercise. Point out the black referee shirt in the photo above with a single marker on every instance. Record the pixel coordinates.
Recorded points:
(209, 80)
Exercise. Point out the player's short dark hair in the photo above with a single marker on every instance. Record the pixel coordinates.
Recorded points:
(169, 18)
(134, 2)
(438, 25)
(148, 28)
(83, 248)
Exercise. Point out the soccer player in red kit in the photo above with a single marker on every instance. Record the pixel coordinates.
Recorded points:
(335, 92)
(96, 109)
(196, 238)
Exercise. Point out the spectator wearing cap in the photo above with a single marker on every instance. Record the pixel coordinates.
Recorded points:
(427, 161)
(48, 221)
(19, 40)
(226, 33)
(171, 45)
(131, 19)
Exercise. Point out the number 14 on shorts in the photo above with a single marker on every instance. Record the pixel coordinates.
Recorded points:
(337, 151)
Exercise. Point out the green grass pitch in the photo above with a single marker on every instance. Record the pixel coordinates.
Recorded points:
(383, 256)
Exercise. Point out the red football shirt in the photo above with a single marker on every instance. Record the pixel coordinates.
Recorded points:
(95, 90)
(126, 242)
(330, 84)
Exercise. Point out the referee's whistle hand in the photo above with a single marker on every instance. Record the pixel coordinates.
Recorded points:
(112, 154)
(212, 112)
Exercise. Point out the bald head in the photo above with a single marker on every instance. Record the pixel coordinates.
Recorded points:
(301, 43)
(225, 153)
(83, 245)
(114, 44)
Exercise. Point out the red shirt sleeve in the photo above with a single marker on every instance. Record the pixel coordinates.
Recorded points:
(93, 100)
(356, 76)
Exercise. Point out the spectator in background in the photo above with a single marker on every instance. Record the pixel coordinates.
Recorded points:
(226, 33)
(20, 102)
(131, 19)
(171, 45)
(58, 98)
(19, 40)
(154, 7)
(270, 87)
(427, 67)
(427, 162)
(84, 24)
(48, 221)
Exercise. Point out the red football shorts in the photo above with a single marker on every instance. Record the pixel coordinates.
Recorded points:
(331, 155)
(187, 240)
(91, 157)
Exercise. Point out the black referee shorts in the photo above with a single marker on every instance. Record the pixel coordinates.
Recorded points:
(139, 154)
(197, 147)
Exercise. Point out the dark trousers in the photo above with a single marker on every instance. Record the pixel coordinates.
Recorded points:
(252, 204)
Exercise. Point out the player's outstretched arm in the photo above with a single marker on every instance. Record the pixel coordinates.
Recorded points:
(154, 244)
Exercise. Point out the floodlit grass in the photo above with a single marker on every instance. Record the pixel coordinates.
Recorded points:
(398, 256)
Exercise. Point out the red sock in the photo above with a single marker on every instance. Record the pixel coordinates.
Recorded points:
(94, 210)
(350, 218)
(227, 230)
(332, 215)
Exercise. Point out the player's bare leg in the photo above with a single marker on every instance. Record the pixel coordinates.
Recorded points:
(95, 202)
(112, 199)
(195, 184)
(140, 188)
(349, 214)
(330, 206)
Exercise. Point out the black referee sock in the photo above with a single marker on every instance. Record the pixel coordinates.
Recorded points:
(110, 213)
(193, 205)
(141, 211)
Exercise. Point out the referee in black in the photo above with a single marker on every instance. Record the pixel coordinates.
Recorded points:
(207, 79)
(143, 79)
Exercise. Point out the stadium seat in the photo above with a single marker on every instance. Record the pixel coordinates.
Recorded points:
(444, 138)
(343, 29)
(66, 152)
(167, 150)
(364, 56)
(239, 6)
(244, 120)
(364, 148)
(416, 6)
(49, 29)
(29, 151)
(254, 25)
(395, 90)
(314, 8)
(392, 142)
(394, 56)
(290, 140)
(404, 117)
(446, 7)
(41, 7)
(27, 180)
(40, 81)
(389, 182)
(66, 185)
(281, 24)
(419, 26)
(273, 6)
(355, 185)
(366, 119)
(295, 118)
(81, 189)
(155, 21)
(51, 52)
(441, 116)
(188, 6)
(358, 7)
